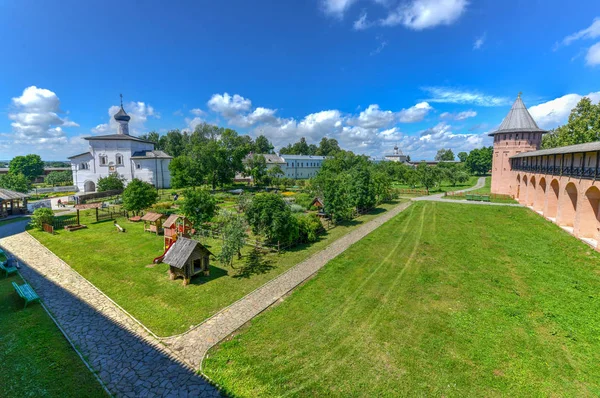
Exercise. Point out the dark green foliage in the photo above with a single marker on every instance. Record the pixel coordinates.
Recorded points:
(233, 231)
(428, 176)
(41, 216)
(31, 166)
(445, 155)
(479, 160)
(269, 215)
(111, 182)
(462, 156)
(263, 145)
(257, 169)
(59, 178)
(199, 206)
(255, 264)
(139, 195)
(583, 126)
(15, 182)
(309, 227)
(185, 172)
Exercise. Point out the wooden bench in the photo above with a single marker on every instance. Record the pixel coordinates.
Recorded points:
(8, 269)
(469, 196)
(27, 293)
(485, 198)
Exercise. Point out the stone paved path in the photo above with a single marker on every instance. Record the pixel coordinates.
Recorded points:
(193, 345)
(128, 359)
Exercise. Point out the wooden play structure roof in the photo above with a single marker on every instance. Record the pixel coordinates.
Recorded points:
(171, 220)
(181, 250)
(7, 194)
(152, 217)
(87, 206)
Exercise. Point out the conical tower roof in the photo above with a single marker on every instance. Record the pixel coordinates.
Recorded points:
(518, 120)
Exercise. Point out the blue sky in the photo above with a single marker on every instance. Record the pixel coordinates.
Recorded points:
(425, 74)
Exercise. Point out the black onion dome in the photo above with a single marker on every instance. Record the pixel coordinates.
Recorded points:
(122, 115)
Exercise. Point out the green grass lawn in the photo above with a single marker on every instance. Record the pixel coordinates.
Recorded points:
(119, 264)
(36, 359)
(442, 300)
(12, 220)
(486, 190)
(444, 186)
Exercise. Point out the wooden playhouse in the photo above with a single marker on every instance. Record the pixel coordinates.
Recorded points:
(153, 222)
(187, 258)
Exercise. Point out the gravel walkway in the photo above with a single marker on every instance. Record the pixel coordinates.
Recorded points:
(193, 345)
(128, 359)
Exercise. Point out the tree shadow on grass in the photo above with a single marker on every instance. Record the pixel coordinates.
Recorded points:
(215, 273)
(254, 264)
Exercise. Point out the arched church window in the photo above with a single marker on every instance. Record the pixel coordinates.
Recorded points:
(103, 160)
(138, 166)
(119, 159)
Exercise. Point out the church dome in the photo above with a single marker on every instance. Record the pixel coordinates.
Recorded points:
(122, 116)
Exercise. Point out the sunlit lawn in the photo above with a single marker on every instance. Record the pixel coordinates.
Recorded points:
(120, 264)
(35, 358)
(443, 187)
(486, 190)
(443, 300)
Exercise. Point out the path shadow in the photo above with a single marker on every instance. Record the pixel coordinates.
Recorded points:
(13, 228)
(128, 365)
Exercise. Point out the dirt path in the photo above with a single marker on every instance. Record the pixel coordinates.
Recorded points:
(193, 345)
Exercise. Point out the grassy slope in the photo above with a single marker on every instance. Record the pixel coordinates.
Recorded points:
(444, 187)
(117, 264)
(442, 300)
(36, 358)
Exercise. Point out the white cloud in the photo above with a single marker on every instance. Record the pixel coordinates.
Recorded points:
(373, 118)
(380, 47)
(336, 8)
(415, 113)
(36, 121)
(479, 42)
(191, 124)
(361, 23)
(453, 96)
(424, 14)
(590, 32)
(593, 55)
(139, 112)
(228, 105)
(458, 116)
(554, 113)
(197, 112)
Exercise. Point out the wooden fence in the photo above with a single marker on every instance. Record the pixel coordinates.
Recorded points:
(491, 195)
(48, 228)
(401, 191)
(109, 213)
(61, 222)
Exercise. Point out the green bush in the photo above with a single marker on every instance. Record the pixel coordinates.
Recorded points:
(304, 200)
(309, 227)
(112, 182)
(41, 216)
(297, 208)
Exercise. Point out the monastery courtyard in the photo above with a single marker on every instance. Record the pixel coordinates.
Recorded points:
(425, 279)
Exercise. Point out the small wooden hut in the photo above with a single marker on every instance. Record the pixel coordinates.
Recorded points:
(187, 258)
(153, 222)
(12, 203)
(176, 225)
(318, 203)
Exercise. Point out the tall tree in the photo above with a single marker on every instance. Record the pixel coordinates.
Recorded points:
(269, 215)
(257, 169)
(462, 156)
(199, 206)
(328, 147)
(583, 126)
(15, 182)
(428, 176)
(444, 155)
(139, 195)
(479, 160)
(263, 145)
(31, 166)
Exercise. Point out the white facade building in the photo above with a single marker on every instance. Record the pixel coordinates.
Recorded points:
(298, 167)
(397, 156)
(121, 153)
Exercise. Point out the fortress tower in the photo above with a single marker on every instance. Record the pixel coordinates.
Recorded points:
(517, 133)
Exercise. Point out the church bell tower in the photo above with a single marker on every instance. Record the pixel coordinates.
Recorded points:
(123, 119)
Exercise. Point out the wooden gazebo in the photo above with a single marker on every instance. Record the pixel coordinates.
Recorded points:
(187, 258)
(153, 222)
(12, 203)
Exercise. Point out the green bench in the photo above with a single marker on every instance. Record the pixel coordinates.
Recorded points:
(8, 269)
(485, 198)
(27, 293)
(469, 196)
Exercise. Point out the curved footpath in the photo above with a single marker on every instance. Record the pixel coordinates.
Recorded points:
(480, 184)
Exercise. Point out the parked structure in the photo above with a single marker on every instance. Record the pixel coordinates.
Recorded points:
(559, 183)
(128, 156)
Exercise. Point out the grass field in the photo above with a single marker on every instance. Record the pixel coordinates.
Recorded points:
(444, 186)
(36, 359)
(443, 300)
(119, 264)
(486, 190)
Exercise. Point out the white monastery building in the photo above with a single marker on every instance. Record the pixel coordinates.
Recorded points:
(397, 156)
(128, 156)
(298, 167)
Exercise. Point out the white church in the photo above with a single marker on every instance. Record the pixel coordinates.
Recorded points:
(128, 156)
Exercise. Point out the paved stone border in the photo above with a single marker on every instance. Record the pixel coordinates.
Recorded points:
(128, 359)
(193, 345)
